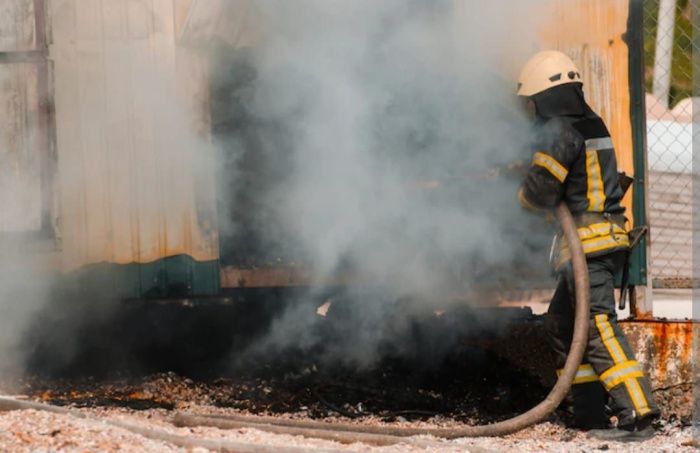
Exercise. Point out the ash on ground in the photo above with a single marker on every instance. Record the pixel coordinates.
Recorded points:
(469, 388)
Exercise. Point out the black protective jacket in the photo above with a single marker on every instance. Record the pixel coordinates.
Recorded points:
(574, 161)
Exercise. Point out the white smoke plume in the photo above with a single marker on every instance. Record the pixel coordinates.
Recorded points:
(391, 117)
(380, 121)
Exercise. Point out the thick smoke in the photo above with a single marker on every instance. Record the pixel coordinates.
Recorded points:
(394, 125)
(379, 124)
(25, 290)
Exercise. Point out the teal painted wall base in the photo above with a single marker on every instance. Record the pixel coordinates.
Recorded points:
(175, 276)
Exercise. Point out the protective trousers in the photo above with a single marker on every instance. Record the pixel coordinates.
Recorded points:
(609, 364)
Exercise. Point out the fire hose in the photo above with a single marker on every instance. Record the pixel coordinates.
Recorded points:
(387, 435)
(529, 418)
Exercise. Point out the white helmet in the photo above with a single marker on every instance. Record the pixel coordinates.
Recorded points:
(545, 70)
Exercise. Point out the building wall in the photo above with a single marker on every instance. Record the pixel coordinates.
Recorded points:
(17, 25)
(20, 166)
(134, 178)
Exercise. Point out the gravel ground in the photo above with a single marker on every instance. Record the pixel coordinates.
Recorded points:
(39, 431)
(151, 401)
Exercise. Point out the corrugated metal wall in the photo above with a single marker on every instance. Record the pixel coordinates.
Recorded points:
(133, 176)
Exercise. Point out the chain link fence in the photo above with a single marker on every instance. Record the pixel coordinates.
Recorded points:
(668, 40)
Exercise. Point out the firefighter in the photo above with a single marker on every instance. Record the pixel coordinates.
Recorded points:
(574, 162)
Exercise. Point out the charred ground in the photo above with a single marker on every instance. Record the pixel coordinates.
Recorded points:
(166, 354)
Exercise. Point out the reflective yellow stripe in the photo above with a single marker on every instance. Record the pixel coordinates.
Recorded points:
(637, 395)
(604, 243)
(602, 236)
(607, 336)
(584, 374)
(595, 238)
(599, 143)
(599, 229)
(614, 376)
(623, 378)
(551, 165)
(624, 370)
(596, 190)
(627, 373)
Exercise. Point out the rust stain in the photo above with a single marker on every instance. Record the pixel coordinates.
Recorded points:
(665, 347)
(671, 340)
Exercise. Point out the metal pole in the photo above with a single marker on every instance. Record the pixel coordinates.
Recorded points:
(664, 50)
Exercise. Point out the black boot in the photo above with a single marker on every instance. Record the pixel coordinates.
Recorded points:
(589, 406)
(637, 431)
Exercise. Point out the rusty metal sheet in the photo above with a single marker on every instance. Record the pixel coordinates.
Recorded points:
(665, 348)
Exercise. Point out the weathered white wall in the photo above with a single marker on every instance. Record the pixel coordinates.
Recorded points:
(233, 22)
(20, 183)
(20, 170)
(131, 169)
(16, 25)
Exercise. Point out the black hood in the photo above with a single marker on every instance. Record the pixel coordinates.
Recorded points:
(562, 100)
